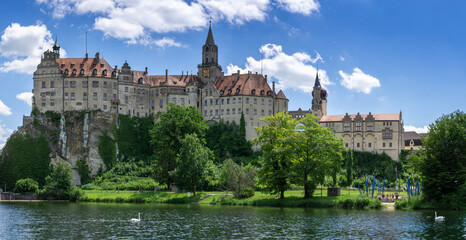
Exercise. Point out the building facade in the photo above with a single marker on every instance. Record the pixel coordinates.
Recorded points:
(75, 84)
(377, 133)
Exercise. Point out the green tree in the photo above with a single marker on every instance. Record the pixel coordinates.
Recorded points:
(166, 136)
(444, 166)
(318, 152)
(277, 141)
(59, 183)
(349, 165)
(191, 163)
(132, 136)
(26, 185)
(238, 179)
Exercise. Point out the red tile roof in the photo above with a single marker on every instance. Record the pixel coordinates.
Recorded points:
(88, 65)
(244, 84)
(162, 80)
(281, 95)
(377, 117)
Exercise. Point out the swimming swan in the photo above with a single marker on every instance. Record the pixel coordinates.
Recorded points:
(139, 219)
(439, 218)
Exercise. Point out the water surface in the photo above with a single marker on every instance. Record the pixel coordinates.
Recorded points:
(111, 221)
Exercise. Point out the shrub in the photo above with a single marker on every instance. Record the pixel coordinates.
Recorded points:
(76, 194)
(26, 185)
(58, 184)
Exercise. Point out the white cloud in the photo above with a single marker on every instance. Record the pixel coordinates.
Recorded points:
(305, 7)
(23, 45)
(161, 43)
(134, 19)
(292, 71)
(26, 97)
(424, 129)
(4, 109)
(4, 134)
(359, 81)
(342, 58)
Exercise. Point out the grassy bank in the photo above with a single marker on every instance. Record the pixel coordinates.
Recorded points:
(293, 198)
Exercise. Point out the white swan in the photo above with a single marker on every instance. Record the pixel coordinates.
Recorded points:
(136, 219)
(439, 218)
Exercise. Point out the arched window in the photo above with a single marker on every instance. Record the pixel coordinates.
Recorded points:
(73, 72)
(222, 92)
(81, 72)
(140, 81)
(262, 92)
(229, 91)
(94, 72)
(104, 73)
(253, 92)
(66, 72)
(237, 90)
(269, 93)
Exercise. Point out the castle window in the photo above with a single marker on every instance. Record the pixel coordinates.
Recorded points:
(255, 111)
(105, 96)
(358, 126)
(94, 72)
(229, 91)
(228, 111)
(247, 100)
(126, 89)
(140, 101)
(161, 103)
(140, 81)
(234, 100)
(346, 126)
(105, 107)
(206, 93)
(95, 96)
(210, 93)
(84, 96)
(237, 90)
(269, 93)
(233, 111)
(43, 84)
(52, 104)
(357, 145)
(42, 95)
(205, 103)
(270, 102)
(216, 102)
(247, 110)
(182, 101)
(126, 78)
(104, 73)
(222, 92)
(66, 96)
(383, 144)
(73, 73)
(66, 72)
(162, 91)
(369, 144)
(239, 110)
(126, 99)
(390, 144)
(156, 92)
(270, 112)
(370, 126)
(205, 113)
(262, 92)
(84, 84)
(255, 100)
(67, 84)
(213, 60)
(114, 97)
(72, 96)
(222, 112)
(253, 92)
(262, 101)
(52, 96)
(211, 102)
(387, 134)
(239, 100)
(81, 72)
(72, 84)
(105, 84)
(228, 101)
(216, 112)
(223, 101)
(95, 84)
(262, 112)
(346, 144)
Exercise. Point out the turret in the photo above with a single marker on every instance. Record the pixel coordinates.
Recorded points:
(209, 69)
(56, 48)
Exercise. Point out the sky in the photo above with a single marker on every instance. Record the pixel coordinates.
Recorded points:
(372, 56)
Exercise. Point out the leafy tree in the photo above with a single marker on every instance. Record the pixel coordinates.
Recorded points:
(349, 165)
(25, 157)
(107, 150)
(191, 163)
(444, 166)
(238, 179)
(166, 136)
(133, 138)
(277, 141)
(26, 185)
(59, 183)
(318, 152)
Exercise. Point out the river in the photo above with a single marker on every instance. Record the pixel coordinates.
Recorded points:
(111, 221)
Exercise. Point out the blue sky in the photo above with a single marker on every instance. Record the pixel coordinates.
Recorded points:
(373, 56)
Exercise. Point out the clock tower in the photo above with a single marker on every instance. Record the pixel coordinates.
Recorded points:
(209, 69)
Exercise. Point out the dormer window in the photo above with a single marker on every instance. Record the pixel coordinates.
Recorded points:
(66, 72)
(269, 93)
(140, 81)
(114, 74)
(237, 90)
(72, 65)
(94, 72)
(81, 65)
(104, 73)
(62, 65)
(222, 92)
(81, 72)
(262, 92)
(253, 92)
(73, 72)
(101, 65)
(229, 91)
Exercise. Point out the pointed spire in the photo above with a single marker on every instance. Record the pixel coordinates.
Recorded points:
(56, 41)
(317, 82)
(210, 36)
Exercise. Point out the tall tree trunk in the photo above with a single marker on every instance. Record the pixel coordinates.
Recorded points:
(282, 194)
(307, 193)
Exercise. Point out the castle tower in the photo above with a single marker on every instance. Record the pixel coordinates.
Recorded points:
(319, 99)
(56, 48)
(209, 69)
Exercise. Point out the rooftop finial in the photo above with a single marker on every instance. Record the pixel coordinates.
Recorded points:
(210, 36)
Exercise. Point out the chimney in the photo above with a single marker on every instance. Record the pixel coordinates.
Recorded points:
(238, 71)
(166, 75)
(273, 85)
(182, 73)
(87, 56)
(266, 81)
(97, 57)
(256, 73)
(145, 72)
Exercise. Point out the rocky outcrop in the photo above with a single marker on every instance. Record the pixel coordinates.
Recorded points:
(72, 136)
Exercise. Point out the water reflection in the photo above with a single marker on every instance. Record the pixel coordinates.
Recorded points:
(111, 221)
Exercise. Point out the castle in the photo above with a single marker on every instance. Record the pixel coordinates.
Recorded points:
(75, 84)
(377, 133)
